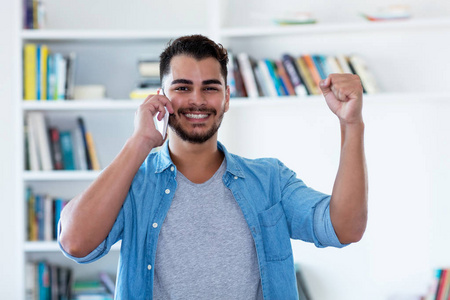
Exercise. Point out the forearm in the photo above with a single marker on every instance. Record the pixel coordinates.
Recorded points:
(88, 218)
(348, 207)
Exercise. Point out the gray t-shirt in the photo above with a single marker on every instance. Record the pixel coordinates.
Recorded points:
(205, 248)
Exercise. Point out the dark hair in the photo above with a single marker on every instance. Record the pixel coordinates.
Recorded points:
(196, 46)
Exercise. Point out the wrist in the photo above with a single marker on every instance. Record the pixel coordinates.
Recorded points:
(355, 124)
(140, 145)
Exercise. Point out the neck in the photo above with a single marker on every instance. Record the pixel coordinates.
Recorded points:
(197, 162)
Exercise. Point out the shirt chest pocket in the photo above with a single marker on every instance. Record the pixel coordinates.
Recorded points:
(275, 233)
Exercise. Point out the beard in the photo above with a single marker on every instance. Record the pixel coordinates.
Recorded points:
(195, 138)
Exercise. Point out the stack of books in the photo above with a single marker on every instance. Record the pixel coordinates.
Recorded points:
(43, 215)
(149, 81)
(47, 75)
(292, 76)
(48, 148)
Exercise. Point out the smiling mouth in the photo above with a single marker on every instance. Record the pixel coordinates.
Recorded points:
(196, 116)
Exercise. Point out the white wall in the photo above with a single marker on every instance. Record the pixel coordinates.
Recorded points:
(409, 168)
(9, 252)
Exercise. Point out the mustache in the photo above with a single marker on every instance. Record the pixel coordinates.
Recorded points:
(197, 109)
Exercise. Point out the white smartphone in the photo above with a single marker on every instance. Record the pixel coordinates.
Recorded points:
(162, 125)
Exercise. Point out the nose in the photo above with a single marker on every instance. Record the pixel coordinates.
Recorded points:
(197, 98)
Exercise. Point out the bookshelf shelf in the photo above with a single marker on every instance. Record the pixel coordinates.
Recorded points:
(118, 105)
(362, 26)
(102, 35)
(52, 246)
(60, 175)
(82, 105)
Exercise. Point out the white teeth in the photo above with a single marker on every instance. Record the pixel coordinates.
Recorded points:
(196, 116)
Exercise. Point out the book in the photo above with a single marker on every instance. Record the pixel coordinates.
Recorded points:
(312, 68)
(82, 128)
(39, 131)
(31, 216)
(30, 72)
(148, 67)
(43, 280)
(48, 217)
(48, 281)
(240, 87)
(306, 75)
(69, 87)
(294, 75)
(67, 152)
(247, 74)
(92, 152)
(264, 90)
(79, 149)
(30, 281)
(267, 79)
(51, 80)
(61, 73)
(31, 145)
(275, 77)
(333, 64)
(142, 93)
(57, 156)
(284, 77)
(443, 285)
(343, 63)
(319, 66)
(362, 70)
(43, 73)
(230, 75)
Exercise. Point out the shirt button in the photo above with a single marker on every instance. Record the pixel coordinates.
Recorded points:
(235, 177)
(155, 225)
(149, 267)
(167, 191)
(172, 168)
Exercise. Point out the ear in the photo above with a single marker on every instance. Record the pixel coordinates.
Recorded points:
(227, 98)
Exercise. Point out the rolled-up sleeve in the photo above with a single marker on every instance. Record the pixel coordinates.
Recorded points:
(307, 211)
(114, 236)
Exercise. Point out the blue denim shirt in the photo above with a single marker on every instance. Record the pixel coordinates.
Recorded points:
(275, 203)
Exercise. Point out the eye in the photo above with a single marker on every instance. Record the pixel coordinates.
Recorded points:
(182, 88)
(210, 88)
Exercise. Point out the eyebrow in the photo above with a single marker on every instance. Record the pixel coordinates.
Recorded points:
(205, 82)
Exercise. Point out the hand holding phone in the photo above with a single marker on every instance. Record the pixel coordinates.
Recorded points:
(162, 125)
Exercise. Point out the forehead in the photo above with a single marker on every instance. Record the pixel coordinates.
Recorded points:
(187, 67)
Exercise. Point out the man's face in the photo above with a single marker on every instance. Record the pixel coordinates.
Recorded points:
(199, 97)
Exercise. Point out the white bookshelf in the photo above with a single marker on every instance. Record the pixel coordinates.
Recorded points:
(414, 92)
(44, 247)
(330, 27)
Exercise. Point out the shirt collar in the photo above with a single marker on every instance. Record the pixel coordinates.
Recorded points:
(164, 161)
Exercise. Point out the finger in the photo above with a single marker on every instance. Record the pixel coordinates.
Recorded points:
(325, 85)
(166, 102)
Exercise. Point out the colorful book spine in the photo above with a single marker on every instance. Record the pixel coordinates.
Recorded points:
(294, 75)
(43, 59)
(92, 152)
(29, 63)
(67, 150)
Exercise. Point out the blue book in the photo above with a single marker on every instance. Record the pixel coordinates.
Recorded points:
(43, 280)
(51, 78)
(318, 63)
(59, 204)
(39, 211)
(276, 80)
(67, 150)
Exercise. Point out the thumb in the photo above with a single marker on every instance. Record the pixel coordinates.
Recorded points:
(325, 85)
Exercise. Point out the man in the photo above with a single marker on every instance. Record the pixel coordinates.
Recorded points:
(197, 222)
